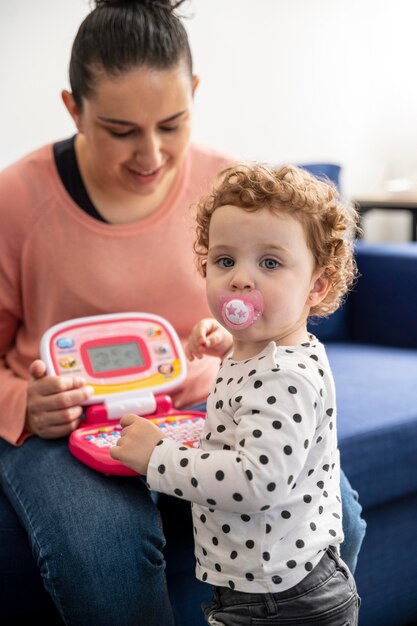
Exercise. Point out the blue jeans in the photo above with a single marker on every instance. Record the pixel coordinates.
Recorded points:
(354, 527)
(97, 539)
(325, 597)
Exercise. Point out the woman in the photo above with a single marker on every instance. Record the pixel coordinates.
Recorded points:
(100, 223)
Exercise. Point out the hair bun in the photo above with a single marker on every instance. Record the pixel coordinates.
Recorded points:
(158, 4)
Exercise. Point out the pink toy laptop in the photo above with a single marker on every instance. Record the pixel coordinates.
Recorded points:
(131, 360)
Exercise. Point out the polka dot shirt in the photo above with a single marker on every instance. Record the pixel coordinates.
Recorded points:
(264, 482)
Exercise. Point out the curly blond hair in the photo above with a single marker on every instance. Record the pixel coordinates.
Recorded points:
(330, 224)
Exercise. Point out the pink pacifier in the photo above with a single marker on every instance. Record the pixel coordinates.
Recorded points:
(240, 311)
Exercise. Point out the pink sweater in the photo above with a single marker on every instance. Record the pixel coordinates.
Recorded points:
(56, 263)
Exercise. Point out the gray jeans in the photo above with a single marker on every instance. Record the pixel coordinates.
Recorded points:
(327, 596)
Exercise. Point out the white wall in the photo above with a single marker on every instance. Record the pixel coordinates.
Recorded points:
(281, 80)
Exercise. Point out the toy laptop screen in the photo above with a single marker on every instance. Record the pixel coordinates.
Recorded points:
(119, 356)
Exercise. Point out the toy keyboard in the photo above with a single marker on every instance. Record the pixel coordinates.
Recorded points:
(92, 445)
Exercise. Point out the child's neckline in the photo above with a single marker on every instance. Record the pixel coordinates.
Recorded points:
(312, 343)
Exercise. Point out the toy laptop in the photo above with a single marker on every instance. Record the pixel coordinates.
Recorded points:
(131, 360)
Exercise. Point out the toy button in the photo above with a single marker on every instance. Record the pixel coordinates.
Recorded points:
(67, 362)
(65, 342)
(153, 331)
(161, 350)
(166, 369)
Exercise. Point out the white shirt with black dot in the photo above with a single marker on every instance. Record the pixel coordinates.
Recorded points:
(265, 481)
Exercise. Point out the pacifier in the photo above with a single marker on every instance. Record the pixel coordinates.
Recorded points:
(240, 311)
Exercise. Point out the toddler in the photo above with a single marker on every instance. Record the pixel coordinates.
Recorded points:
(275, 246)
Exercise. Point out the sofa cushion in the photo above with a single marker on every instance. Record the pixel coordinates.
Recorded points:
(377, 419)
(383, 305)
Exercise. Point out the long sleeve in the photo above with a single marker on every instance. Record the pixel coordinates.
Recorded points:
(13, 396)
(273, 428)
(13, 382)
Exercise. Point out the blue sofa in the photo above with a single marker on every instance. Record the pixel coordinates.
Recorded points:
(372, 346)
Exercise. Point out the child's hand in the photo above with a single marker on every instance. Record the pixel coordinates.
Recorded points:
(136, 443)
(208, 337)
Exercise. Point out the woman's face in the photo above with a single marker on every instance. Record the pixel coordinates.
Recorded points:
(135, 129)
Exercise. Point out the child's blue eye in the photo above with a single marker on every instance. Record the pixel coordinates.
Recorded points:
(225, 262)
(269, 264)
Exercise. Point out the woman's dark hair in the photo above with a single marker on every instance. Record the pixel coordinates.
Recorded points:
(119, 35)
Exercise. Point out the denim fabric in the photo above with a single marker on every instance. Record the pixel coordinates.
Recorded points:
(97, 539)
(326, 597)
(354, 527)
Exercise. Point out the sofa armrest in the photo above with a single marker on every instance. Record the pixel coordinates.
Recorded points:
(384, 301)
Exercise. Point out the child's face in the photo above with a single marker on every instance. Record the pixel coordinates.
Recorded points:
(263, 252)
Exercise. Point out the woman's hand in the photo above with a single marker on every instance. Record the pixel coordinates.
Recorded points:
(54, 403)
(208, 337)
(136, 442)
